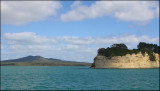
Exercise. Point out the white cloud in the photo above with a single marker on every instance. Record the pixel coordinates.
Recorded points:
(30, 38)
(135, 11)
(76, 4)
(127, 39)
(27, 38)
(22, 12)
(71, 48)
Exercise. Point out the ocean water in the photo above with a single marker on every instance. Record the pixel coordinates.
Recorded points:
(77, 78)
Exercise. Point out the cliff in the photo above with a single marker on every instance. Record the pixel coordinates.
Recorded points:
(138, 60)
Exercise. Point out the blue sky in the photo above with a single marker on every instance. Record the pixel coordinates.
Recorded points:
(74, 30)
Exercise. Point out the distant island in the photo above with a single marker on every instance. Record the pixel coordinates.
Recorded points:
(119, 56)
(41, 61)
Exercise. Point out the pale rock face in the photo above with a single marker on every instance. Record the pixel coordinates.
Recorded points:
(127, 61)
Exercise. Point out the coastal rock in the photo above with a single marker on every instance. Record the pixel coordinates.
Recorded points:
(128, 61)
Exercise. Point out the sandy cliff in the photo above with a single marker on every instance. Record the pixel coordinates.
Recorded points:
(127, 61)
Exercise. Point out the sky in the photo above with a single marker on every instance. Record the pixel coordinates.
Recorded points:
(75, 30)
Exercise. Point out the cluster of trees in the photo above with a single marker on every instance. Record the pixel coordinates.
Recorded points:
(149, 48)
(144, 47)
(122, 50)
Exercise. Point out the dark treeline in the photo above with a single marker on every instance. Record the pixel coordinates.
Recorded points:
(122, 50)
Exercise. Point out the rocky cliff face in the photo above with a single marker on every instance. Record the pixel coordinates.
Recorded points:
(127, 61)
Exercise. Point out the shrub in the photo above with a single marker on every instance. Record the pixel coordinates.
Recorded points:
(152, 57)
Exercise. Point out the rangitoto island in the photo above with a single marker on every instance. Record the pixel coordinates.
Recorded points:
(119, 56)
(41, 61)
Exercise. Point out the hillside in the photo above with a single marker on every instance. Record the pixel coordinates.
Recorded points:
(41, 61)
(33, 59)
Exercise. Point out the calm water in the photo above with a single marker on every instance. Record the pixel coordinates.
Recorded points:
(77, 78)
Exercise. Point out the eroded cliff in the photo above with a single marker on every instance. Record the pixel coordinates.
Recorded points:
(138, 60)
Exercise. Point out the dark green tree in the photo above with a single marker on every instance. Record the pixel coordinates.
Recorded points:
(119, 46)
(101, 51)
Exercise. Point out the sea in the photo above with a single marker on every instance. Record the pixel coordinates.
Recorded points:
(77, 78)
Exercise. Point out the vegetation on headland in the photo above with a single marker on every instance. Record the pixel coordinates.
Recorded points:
(40, 61)
(122, 50)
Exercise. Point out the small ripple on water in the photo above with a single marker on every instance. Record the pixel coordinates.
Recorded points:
(72, 78)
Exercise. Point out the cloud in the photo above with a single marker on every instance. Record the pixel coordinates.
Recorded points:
(22, 12)
(76, 4)
(107, 40)
(71, 48)
(31, 38)
(134, 11)
(27, 38)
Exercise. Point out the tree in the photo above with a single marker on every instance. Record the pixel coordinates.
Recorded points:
(101, 51)
(119, 46)
(141, 45)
